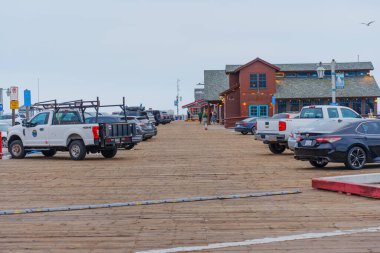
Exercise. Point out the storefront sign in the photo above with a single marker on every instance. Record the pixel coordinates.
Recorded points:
(339, 80)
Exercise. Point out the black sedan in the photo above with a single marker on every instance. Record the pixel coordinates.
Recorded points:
(354, 144)
(246, 126)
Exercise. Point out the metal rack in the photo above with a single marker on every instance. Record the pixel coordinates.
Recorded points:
(81, 105)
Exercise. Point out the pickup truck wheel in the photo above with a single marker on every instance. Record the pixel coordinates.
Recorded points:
(49, 153)
(244, 133)
(276, 148)
(16, 149)
(319, 163)
(77, 150)
(130, 146)
(109, 153)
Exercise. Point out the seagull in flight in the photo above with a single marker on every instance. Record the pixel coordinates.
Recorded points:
(369, 23)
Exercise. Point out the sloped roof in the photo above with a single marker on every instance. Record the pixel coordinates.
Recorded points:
(365, 86)
(341, 66)
(215, 81)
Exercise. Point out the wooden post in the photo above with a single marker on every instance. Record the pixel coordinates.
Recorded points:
(13, 117)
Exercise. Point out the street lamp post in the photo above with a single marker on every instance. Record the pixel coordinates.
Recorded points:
(333, 85)
(321, 74)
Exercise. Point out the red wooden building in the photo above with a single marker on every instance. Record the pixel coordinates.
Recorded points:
(252, 87)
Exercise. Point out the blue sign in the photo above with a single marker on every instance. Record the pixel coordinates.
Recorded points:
(27, 98)
(1, 107)
(339, 80)
(273, 100)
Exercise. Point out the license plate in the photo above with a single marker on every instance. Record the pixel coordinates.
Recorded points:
(270, 138)
(308, 143)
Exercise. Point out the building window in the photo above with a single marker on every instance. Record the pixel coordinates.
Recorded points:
(294, 105)
(258, 110)
(253, 81)
(314, 74)
(302, 74)
(357, 105)
(317, 102)
(344, 102)
(290, 75)
(306, 102)
(350, 73)
(257, 81)
(369, 105)
(281, 106)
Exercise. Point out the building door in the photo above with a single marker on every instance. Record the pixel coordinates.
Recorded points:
(258, 110)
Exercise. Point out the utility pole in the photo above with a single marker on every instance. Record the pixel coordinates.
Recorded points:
(177, 100)
(38, 89)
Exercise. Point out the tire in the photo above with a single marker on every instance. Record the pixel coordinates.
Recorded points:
(276, 148)
(244, 133)
(319, 163)
(49, 153)
(109, 153)
(77, 150)
(16, 149)
(356, 158)
(130, 146)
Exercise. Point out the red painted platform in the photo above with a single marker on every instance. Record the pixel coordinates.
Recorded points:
(367, 185)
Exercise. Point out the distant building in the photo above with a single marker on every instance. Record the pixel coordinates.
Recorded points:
(199, 93)
(252, 86)
(215, 81)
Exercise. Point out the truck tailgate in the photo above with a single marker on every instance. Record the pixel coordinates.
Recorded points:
(269, 126)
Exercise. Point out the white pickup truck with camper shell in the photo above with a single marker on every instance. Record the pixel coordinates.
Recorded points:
(275, 132)
(64, 130)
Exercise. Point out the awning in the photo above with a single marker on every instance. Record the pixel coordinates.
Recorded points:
(197, 103)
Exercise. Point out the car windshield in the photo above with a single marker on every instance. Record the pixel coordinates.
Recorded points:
(103, 120)
(4, 128)
(5, 117)
(249, 120)
(280, 116)
(311, 113)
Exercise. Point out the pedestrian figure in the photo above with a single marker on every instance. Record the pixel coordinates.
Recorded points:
(213, 117)
(200, 114)
(188, 115)
(205, 119)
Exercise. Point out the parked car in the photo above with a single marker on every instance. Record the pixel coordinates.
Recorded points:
(354, 144)
(164, 118)
(3, 129)
(319, 126)
(136, 138)
(275, 132)
(7, 118)
(246, 126)
(147, 128)
(64, 130)
(151, 118)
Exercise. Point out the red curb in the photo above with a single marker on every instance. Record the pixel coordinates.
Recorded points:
(361, 189)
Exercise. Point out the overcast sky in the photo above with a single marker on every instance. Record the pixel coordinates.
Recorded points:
(138, 48)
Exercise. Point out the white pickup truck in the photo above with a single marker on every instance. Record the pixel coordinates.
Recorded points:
(64, 130)
(275, 132)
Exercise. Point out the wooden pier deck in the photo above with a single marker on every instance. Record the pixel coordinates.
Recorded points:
(182, 161)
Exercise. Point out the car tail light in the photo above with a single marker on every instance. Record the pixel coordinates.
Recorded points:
(299, 139)
(288, 116)
(95, 132)
(328, 139)
(281, 126)
(108, 140)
